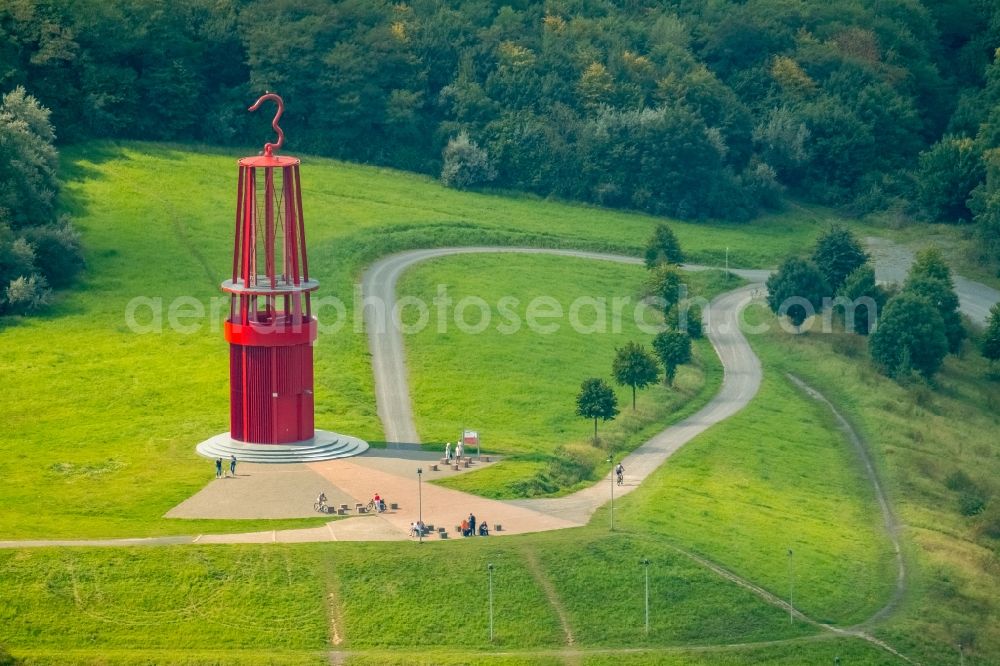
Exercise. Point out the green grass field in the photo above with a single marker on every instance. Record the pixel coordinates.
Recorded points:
(104, 422)
(106, 419)
(516, 382)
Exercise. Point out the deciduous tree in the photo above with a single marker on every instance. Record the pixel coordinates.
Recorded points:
(910, 336)
(837, 254)
(673, 349)
(795, 288)
(663, 248)
(596, 400)
(634, 366)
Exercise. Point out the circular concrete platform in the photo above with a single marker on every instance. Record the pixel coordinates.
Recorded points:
(324, 445)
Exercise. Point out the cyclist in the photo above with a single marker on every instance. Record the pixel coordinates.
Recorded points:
(321, 502)
(620, 473)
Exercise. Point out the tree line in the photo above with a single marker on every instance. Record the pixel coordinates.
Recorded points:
(689, 109)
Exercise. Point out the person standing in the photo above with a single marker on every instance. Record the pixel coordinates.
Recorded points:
(447, 451)
(232, 465)
(459, 449)
(218, 468)
(472, 525)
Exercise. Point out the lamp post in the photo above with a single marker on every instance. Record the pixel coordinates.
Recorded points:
(611, 459)
(791, 588)
(420, 505)
(645, 562)
(490, 568)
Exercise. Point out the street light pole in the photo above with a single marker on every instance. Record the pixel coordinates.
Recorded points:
(791, 588)
(645, 562)
(611, 459)
(420, 505)
(490, 567)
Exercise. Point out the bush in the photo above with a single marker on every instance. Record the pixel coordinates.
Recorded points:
(58, 252)
(958, 480)
(465, 164)
(27, 294)
(971, 503)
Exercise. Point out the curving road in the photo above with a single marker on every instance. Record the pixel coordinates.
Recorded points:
(722, 318)
(740, 382)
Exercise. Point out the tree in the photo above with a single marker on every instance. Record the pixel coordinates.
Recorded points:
(929, 262)
(664, 282)
(58, 254)
(991, 339)
(634, 366)
(910, 336)
(942, 296)
(663, 248)
(674, 349)
(858, 288)
(596, 400)
(465, 164)
(27, 294)
(948, 173)
(28, 178)
(686, 317)
(796, 287)
(837, 254)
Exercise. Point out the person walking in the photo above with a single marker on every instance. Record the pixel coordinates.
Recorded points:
(232, 465)
(472, 525)
(218, 468)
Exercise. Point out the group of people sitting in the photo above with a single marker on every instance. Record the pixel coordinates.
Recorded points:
(469, 527)
(418, 529)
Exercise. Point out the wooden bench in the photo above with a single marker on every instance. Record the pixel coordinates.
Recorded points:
(487, 458)
(394, 506)
(443, 534)
(359, 507)
(497, 527)
(342, 511)
(434, 467)
(465, 464)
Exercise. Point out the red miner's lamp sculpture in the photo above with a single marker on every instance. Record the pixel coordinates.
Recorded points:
(271, 328)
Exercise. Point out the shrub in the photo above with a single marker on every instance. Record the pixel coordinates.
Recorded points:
(971, 503)
(465, 164)
(27, 294)
(58, 253)
(958, 480)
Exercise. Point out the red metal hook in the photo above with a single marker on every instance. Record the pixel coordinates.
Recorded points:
(271, 147)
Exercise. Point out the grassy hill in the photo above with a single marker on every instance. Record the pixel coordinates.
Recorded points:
(102, 423)
(106, 419)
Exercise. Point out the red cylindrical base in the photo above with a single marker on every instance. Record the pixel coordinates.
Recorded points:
(271, 393)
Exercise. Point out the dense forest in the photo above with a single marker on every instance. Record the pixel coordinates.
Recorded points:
(695, 109)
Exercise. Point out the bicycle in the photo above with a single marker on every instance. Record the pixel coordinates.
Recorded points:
(321, 507)
(375, 508)
(621, 479)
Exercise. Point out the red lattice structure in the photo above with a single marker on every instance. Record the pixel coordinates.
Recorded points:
(271, 328)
